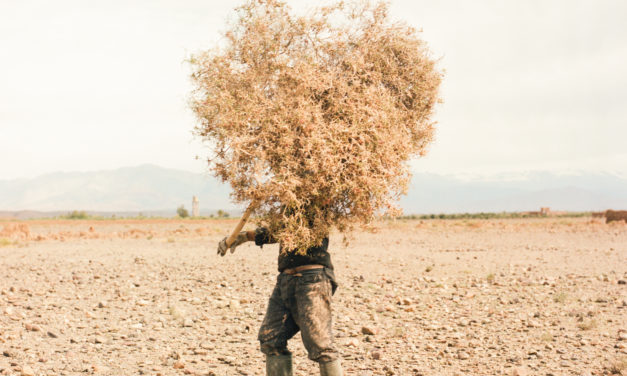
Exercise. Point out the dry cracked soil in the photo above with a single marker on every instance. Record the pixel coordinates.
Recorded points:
(543, 296)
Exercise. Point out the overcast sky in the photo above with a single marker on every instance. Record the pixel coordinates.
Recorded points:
(91, 85)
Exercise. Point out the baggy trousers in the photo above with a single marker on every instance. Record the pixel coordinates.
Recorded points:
(301, 303)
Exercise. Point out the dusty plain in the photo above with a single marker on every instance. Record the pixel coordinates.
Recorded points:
(543, 296)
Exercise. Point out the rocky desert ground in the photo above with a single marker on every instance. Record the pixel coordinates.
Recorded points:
(543, 296)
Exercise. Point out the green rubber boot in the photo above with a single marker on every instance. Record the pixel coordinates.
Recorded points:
(279, 365)
(333, 368)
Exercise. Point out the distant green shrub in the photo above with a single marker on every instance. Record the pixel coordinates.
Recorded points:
(182, 212)
(76, 215)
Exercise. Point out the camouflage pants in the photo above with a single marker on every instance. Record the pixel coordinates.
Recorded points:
(300, 303)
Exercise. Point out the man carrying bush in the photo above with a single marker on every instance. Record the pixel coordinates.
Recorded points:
(300, 301)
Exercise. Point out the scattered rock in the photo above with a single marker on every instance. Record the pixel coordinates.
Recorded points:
(52, 335)
(100, 339)
(228, 359)
(368, 330)
(533, 324)
(27, 371)
(103, 304)
(178, 365)
(207, 346)
(188, 322)
(32, 327)
(519, 371)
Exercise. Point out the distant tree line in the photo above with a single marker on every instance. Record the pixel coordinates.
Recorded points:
(502, 215)
(184, 213)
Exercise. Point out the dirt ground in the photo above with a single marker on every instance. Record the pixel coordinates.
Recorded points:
(542, 296)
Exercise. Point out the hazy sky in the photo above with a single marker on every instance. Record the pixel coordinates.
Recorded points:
(90, 85)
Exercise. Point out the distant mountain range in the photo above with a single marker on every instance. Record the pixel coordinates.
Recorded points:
(573, 191)
(154, 190)
(146, 189)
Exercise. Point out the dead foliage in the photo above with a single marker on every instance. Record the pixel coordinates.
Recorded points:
(16, 231)
(315, 117)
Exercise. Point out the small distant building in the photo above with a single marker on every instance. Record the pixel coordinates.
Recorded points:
(195, 207)
(544, 212)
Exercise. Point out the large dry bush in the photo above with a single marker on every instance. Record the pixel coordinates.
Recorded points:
(315, 117)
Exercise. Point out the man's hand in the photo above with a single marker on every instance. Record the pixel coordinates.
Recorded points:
(242, 237)
(222, 247)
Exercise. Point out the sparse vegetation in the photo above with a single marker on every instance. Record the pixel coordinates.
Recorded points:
(547, 337)
(587, 324)
(5, 242)
(560, 297)
(618, 367)
(83, 215)
(76, 214)
(490, 278)
(399, 332)
(177, 312)
(222, 214)
(502, 215)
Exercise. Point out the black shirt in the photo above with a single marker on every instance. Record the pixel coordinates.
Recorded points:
(290, 259)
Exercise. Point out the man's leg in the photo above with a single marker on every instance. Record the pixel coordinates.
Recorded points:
(312, 313)
(279, 365)
(278, 326)
(333, 368)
